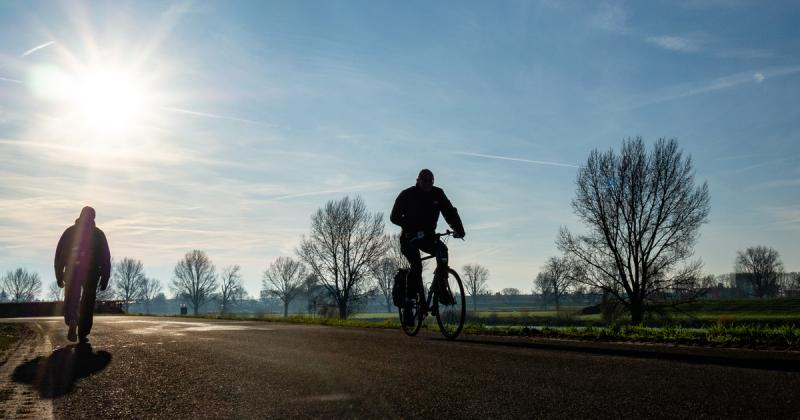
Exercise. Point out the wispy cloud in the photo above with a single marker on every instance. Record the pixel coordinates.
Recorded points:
(720, 83)
(37, 48)
(537, 162)
(5, 79)
(610, 18)
(216, 116)
(354, 188)
(675, 43)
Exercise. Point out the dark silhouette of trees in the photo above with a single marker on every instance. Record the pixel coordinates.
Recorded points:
(128, 275)
(284, 278)
(644, 214)
(54, 293)
(761, 266)
(475, 279)
(384, 272)
(194, 279)
(151, 288)
(556, 278)
(345, 242)
(231, 290)
(22, 285)
(511, 291)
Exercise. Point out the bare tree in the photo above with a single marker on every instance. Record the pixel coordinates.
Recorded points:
(109, 294)
(284, 278)
(231, 289)
(150, 290)
(556, 277)
(762, 267)
(3, 296)
(128, 275)
(194, 279)
(384, 272)
(476, 277)
(22, 285)
(511, 291)
(55, 293)
(345, 242)
(644, 214)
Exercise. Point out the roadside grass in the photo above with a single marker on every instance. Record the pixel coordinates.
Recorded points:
(756, 336)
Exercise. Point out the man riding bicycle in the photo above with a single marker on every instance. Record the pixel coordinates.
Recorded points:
(416, 210)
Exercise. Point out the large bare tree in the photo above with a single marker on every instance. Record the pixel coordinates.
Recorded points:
(231, 289)
(555, 278)
(383, 272)
(55, 293)
(762, 267)
(150, 289)
(643, 213)
(285, 278)
(476, 277)
(345, 242)
(128, 275)
(194, 279)
(22, 285)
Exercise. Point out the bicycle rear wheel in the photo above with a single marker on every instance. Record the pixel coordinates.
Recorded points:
(450, 316)
(413, 308)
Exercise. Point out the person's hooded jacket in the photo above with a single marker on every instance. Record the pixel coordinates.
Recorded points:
(82, 253)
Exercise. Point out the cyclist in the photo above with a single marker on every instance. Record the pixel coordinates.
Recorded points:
(416, 210)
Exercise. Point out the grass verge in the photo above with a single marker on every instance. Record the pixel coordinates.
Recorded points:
(784, 337)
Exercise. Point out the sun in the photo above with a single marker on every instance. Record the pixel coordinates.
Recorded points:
(109, 100)
(101, 109)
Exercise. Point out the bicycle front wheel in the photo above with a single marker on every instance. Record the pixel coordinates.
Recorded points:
(451, 312)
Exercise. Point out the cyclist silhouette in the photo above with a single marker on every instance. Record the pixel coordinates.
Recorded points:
(416, 210)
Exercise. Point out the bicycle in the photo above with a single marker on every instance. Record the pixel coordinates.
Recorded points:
(449, 316)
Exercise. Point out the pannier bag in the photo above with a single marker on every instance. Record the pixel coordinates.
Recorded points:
(399, 287)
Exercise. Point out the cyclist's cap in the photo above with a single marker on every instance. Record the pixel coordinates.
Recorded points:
(426, 173)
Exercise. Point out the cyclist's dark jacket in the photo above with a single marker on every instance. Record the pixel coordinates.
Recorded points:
(415, 210)
(83, 253)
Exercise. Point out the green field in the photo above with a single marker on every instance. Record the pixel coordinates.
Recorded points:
(700, 313)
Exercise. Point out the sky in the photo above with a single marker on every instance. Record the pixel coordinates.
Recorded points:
(223, 126)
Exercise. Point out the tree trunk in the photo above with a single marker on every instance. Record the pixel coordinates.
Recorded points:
(285, 308)
(637, 311)
(342, 310)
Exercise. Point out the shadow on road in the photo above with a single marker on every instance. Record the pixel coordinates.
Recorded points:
(55, 375)
(750, 360)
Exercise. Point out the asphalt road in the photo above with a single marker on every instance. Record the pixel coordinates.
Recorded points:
(169, 368)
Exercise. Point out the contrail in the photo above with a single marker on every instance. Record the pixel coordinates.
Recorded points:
(4, 79)
(215, 116)
(538, 162)
(37, 48)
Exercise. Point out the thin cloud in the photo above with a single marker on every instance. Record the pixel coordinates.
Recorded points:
(356, 188)
(610, 18)
(5, 79)
(537, 162)
(37, 48)
(216, 116)
(675, 43)
(721, 83)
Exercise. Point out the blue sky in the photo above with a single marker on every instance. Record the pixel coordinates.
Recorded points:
(249, 116)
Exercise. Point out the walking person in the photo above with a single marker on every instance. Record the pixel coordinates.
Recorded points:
(82, 261)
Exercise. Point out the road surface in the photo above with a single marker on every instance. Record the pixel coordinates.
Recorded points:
(170, 368)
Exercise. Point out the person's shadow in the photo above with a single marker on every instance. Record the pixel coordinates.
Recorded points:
(55, 375)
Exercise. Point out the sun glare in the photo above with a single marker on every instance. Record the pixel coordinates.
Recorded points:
(101, 110)
(109, 100)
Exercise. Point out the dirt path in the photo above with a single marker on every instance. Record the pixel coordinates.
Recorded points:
(19, 400)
